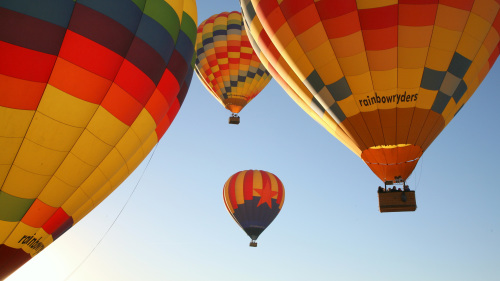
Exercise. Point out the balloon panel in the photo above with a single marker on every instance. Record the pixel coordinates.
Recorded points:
(226, 63)
(253, 198)
(390, 75)
(87, 89)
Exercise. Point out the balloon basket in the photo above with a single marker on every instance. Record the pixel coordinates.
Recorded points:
(253, 244)
(397, 201)
(234, 120)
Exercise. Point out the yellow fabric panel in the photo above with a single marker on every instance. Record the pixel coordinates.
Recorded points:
(386, 93)
(144, 125)
(139, 156)
(369, 4)
(426, 98)
(190, 8)
(40, 236)
(354, 65)
(300, 63)
(52, 134)
(313, 38)
(95, 181)
(38, 159)
(414, 36)
(226, 197)
(412, 57)
(321, 55)
(477, 27)
(98, 197)
(73, 170)
(384, 80)
(257, 182)
(44, 238)
(112, 163)
(438, 59)
(360, 84)
(24, 184)
(16, 237)
(449, 108)
(77, 199)
(364, 108)
(128, 145)
(445, 39)
(468, 46)
(330, 72)
(4, 170)
(8, 151)
(349, 45)
(91, 149)
(487, 9)
(17, 122)
(83, 211)
(66, 108)
(6, 227)
(451, 18)
(349, 106)
(238, 190)
(119, 177)
(106, 127)
(56, 192)
(410, 78)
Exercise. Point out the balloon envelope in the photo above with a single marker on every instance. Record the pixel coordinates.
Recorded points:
(384, 77)
(226, 63)
(253, 198)
(87, 89)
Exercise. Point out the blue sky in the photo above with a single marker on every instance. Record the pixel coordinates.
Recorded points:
(175, 226)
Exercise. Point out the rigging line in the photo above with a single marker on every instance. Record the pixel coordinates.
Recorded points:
(117, 216)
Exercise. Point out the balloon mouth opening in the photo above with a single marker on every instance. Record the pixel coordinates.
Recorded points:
(390, 162)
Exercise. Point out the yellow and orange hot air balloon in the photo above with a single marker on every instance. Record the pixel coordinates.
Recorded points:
(384, 77)
(254, 198)
(226, 63)
(87, 89)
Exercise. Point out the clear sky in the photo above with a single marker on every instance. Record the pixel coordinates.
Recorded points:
(175, 226)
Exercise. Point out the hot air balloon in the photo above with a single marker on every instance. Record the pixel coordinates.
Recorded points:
(226, 63)
(384, 77)
(253, 198)
(87, 89)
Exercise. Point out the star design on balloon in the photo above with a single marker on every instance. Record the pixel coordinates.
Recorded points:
(265, 195)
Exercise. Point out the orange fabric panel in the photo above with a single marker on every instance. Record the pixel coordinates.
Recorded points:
(22, 94)
(372, 119)
(38, 214)
(404, 116)
(389, 121)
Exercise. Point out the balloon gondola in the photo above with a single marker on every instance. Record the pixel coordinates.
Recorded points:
(384, 77)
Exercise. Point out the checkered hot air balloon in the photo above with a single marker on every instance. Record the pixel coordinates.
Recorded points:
(384, 77)
(87, 89)
(226, 63)
(253, 198)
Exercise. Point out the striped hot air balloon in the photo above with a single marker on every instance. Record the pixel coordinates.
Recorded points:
(87, 89)
(384, 77)
(226, 63)
(253, 198)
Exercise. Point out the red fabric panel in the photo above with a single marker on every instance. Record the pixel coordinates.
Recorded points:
(90, 55)
(135, 82)
(24, 63)
(248, 185)
(55, 221)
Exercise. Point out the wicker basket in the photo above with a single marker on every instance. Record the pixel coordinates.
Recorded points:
(234, 120)
(397, 201)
